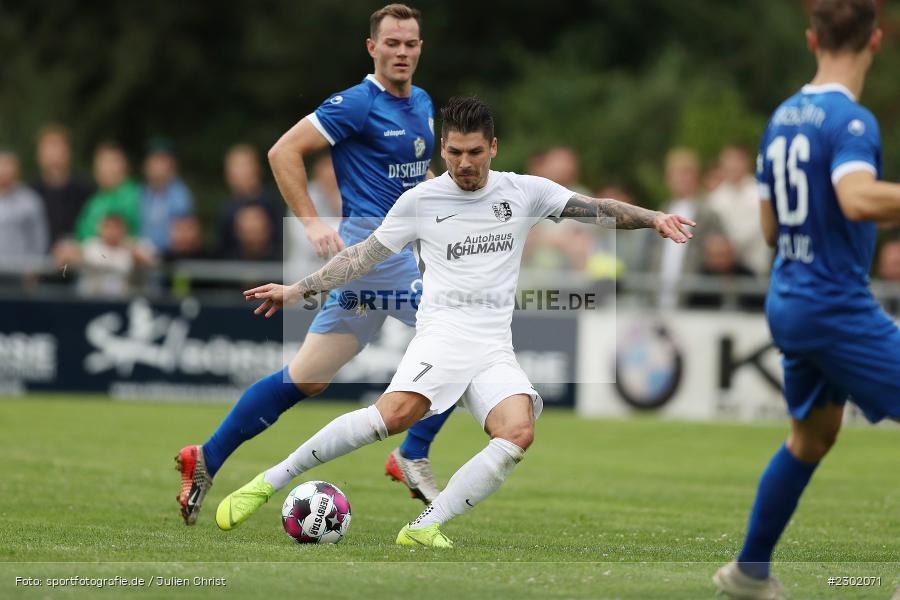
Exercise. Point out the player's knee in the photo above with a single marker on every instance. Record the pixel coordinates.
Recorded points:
(311, 389)
(400, 414)
(812, 448)
(397, 419)
(825, 442)
(520, 434)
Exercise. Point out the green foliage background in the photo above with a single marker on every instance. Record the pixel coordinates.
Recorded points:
(620, 80)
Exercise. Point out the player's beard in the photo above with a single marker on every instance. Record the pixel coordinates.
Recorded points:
(473, 181)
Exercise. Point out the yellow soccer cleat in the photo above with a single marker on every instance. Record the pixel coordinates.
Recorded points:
(240, 504)
(430, 536)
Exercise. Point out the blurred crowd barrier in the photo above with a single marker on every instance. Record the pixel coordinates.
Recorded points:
(114, 285)
(224, 281)
(115, 235)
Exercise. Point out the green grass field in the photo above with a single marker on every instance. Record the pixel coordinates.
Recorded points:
(598, 509)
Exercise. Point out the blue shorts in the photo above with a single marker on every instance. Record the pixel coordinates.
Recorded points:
(864, 368)
(389, 293)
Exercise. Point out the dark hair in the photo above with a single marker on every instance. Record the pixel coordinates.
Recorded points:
(467, 115)
(844, 24)
(401, 12)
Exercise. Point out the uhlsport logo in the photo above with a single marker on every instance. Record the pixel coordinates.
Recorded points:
(480, 244)
(419, 147)
(503, 211)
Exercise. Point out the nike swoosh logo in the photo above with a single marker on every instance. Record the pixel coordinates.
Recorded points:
(469, 503)
(317, 458)
(440, 220)
(192, 499)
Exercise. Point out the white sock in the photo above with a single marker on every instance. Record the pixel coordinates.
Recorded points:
(343, 435)
(472, 483)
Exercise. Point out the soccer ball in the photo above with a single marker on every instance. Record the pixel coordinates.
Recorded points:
(316, 512)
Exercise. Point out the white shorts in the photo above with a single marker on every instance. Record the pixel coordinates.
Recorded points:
(444, 368)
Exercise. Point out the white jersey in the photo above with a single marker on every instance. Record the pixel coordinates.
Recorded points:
(471, 244)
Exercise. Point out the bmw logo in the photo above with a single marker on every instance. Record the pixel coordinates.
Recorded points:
(649, 366)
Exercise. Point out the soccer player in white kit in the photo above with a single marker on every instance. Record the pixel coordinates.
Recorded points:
(471, 224)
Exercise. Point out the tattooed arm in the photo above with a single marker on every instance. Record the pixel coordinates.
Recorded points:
(347, 265)
(602, 211)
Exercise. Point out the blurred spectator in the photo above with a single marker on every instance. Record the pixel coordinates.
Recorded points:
(185, 243)
(244, 178)
(110, 258)
(712, 178)
(185, 240)
(736, 202)
(675, 260)
(117, 194)
(561, 165)
(889, 270)
(253, 235)
(567, 244)
(889, 261)
(23, 225)
(323, 189)
(721, 260)
(63, 194)
(326, 197)
(633, 249)
(164, 196)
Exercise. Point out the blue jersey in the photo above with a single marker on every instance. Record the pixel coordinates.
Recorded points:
(820, 277)
(381, 147)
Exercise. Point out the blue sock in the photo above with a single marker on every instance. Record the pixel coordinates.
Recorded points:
(776, 500)
(258, 408)
(419, 436)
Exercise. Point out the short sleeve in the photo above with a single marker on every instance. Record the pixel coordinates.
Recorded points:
(343, 114)
(856, 144)
(399, 227)
(764, 169)
(547, 198)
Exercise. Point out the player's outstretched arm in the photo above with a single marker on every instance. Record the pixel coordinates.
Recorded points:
(864, 198)
(349, 264)
(601, 211)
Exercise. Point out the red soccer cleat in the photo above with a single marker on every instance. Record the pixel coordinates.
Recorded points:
(195, 482)
(414, 474)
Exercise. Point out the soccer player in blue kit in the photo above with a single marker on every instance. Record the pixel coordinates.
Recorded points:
(381, 134)
(818, 170)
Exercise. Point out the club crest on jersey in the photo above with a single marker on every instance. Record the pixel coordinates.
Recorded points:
(503, 211)
(856, 127)
(419, 147)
